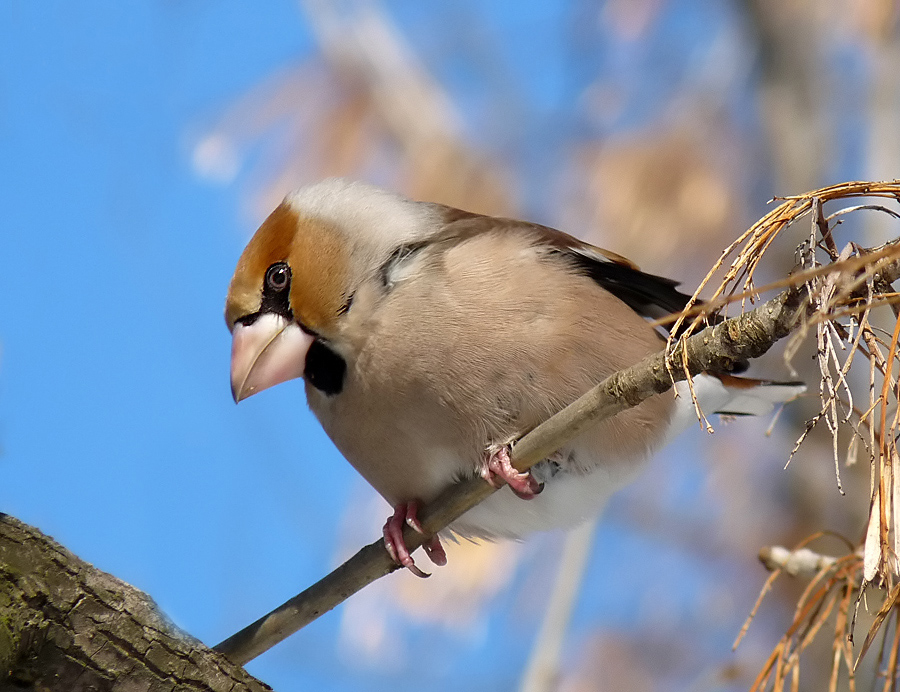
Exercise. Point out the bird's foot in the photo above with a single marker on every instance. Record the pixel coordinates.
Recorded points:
(497, 467)
(408, 513)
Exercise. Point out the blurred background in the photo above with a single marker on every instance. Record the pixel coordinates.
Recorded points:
(142, 143)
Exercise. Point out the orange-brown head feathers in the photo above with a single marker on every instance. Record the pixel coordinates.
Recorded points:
(318, 262)
(293, 285)
(334, 235)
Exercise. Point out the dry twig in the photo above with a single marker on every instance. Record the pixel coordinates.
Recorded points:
(841, 288)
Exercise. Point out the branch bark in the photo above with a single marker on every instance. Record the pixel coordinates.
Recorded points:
(65, 625)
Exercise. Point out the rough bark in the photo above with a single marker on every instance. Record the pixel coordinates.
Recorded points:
(65, 625)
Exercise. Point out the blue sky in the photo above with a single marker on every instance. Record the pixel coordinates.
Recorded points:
(118, 435)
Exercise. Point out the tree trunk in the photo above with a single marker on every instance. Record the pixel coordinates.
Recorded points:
(65, 625)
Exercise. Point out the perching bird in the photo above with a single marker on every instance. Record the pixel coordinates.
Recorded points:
(429, 338)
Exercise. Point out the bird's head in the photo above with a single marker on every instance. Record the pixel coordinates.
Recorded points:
(296, 279)
(289, 288)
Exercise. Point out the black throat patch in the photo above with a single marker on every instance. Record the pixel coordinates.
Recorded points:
(325, 370)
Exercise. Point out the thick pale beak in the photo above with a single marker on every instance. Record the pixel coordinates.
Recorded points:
(270, 351)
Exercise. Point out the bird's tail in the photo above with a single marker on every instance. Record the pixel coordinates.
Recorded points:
(730, 395)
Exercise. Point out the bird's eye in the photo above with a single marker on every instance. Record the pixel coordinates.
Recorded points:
(278, 276)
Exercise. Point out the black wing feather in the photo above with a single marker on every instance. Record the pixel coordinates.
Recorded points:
(647, 294)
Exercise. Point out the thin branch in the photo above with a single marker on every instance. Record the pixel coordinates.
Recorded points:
(716, 348)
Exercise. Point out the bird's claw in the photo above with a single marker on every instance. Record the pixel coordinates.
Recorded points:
(497, 467)
(408, 513)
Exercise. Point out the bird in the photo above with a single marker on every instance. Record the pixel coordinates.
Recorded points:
(430, 338)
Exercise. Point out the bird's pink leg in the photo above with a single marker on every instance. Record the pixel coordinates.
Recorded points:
(498, 466)
(408, 513)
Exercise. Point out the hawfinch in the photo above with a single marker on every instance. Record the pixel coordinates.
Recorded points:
(429, 338)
